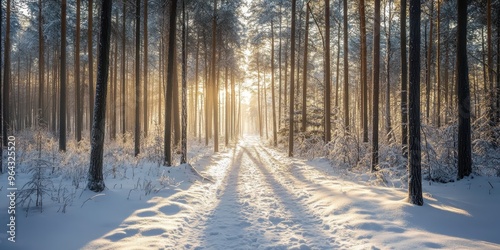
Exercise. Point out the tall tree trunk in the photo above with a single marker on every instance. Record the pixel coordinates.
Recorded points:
(91, 60)
(259, 105)
(196, 71)
(176, 109)
(1, 97)
(95, 178)
(364, 72)
(346, 69)
(123, 87)
(388, 126)
(338, 71)
(490, 63)
(404, 81)
(463, 92)
(6, 119)
(226, 106)
(184, 85)
(292, 80)
(327, 111)
(304, 77)
(279, 69)
(146, 84)
(498, 66)
(170, 83)
(41, 68)
(62, 93)
(414, 161)
(438, 62)
(376, 79)
(78, 98)
(275, 135)
(137, 126)
(428, 64)
(115, 89)
(214, 80)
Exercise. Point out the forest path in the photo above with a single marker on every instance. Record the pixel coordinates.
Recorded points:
(262, 199)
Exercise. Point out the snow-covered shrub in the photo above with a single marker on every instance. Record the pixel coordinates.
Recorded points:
(39, 185)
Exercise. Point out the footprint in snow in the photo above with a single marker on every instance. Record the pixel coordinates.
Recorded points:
(170, 209)
(122, 234)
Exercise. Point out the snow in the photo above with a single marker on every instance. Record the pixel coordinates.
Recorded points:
(259, 199)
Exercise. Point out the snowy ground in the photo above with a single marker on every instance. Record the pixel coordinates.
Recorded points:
(261, 199)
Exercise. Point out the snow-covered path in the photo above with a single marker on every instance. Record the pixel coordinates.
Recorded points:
(262, 199)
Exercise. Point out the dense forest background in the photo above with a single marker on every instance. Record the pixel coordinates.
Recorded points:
(337, 80)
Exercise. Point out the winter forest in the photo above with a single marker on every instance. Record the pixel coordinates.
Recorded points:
(250, 124)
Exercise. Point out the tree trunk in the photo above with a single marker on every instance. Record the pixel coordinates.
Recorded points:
(91, 60)
(275, 135)
(41, 68)
(292, 80)
(428, 64)
(364, 72)
(490, 63)
(78, 98)
(184, 86)
(123, 88)
(95, 178)
(327, 97)
(137, 131)
(463, 92)
(438, 63)
(375, 78)
(214, 81)
(388, 126)
(346, 69)
(304, 77)
(62, 93)
(414, 161)
(145, 95)
(170, 83)
(404, 82)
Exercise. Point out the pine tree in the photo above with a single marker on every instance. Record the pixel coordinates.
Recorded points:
(95, 177)
(137, 131)
(376, 83)
(414, 161)
(62, 75)
(327, 65)
(292, 80)
(170, 83)
(404, 81)
(463, 92)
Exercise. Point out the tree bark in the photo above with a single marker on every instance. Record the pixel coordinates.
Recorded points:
(146, 59)
(292, 80)
(78, 113)
(346, 69)
(91, 60)
(62, 91)
(463, 93)
(95, 177)
(184, 86)
(364, 72)
(170, 84)
(137, 126)
(304, 77)
(414, 161)
(275, 135)
(375, 79)
(214, 81)
(404, 82)
(327, 94)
